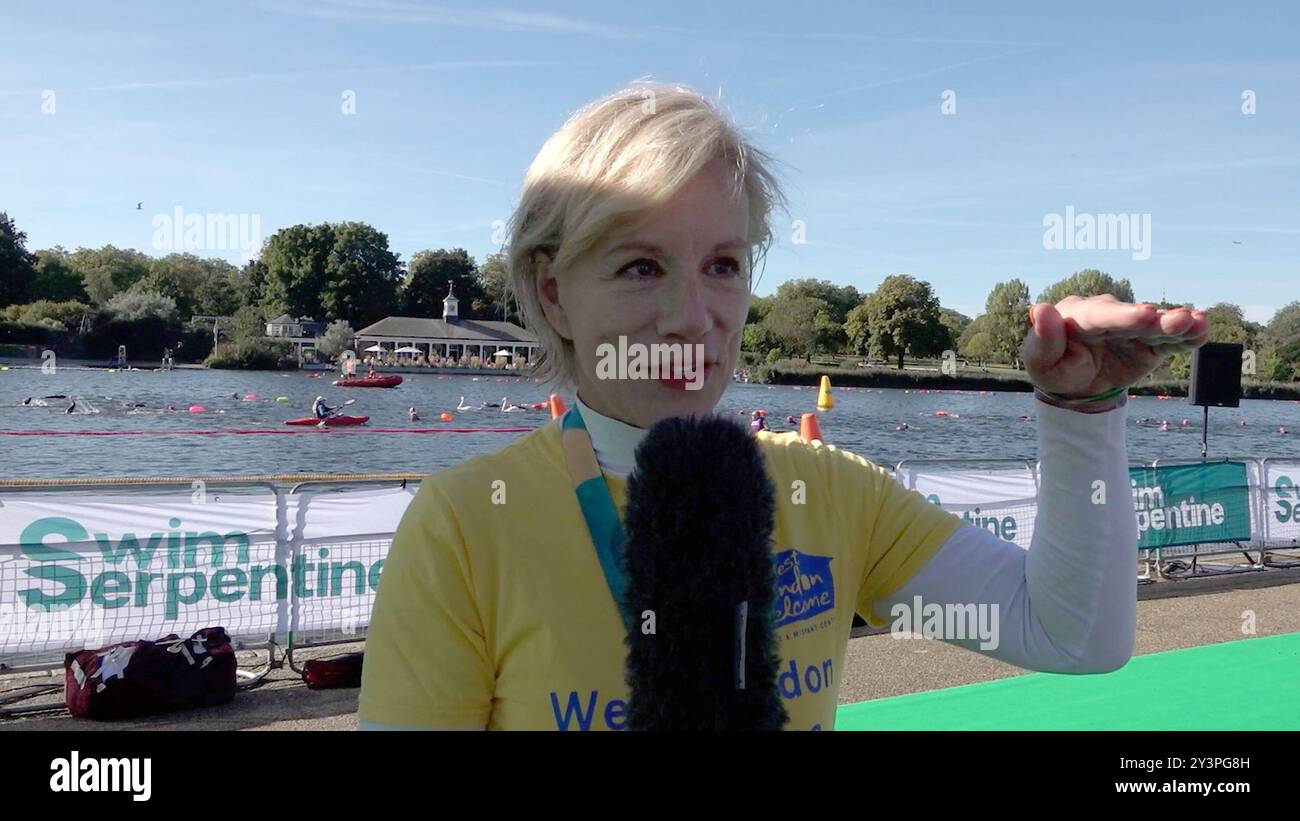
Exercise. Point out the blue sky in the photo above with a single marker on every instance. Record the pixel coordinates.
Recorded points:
(1106, 107)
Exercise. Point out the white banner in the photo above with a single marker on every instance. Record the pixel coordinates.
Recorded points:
(1281, 508)
(86, 571)
(1002, 501)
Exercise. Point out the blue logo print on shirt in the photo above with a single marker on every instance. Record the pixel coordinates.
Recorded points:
(804, 586)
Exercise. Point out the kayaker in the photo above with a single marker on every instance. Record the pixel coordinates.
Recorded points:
(319, 409)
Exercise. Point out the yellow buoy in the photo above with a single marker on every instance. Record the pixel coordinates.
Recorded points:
(282, 399)
(824, 399)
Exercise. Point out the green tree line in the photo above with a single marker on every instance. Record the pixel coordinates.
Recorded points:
(94, 299)
(91, 300)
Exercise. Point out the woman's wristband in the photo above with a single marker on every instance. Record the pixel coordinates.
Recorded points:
(1102, 402)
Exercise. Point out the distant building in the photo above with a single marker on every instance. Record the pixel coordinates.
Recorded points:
(303, 333)
(450, 337)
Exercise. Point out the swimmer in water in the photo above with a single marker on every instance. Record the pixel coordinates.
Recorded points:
(412, 415)
(463, 407)
(1241, 423)
(1164, 424)
(790, 420)
(72, 406)
(902, 427)
(1282, 431)
(170, 408)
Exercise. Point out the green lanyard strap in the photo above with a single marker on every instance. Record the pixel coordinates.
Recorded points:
(597, 506)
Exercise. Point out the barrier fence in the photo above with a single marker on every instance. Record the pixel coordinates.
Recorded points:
(289, 562)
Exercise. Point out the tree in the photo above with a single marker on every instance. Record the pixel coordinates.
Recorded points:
(17, 266)
(361, 275)
(67, 314)
(1229, 324)
(494, 282)
(759, 339)
(295, 270)
(248, 324)
(109, 271)
(840, 298)
(134, 305)
(978, 325)
(903, 315)
(56, 278)
(1280, 344)
(344, 270)
(429, 274)
(758, 308)
(1007, 309)
(801, 325)
(336, 339)
(217, 296)
(183, 276)
(857, 327)
(250, 283)
(979, 347)
(956, 324)
(1088, 282)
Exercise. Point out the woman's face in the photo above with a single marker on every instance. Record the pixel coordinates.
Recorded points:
(679, 277)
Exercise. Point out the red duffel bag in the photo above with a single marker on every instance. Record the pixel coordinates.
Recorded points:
(137, 678)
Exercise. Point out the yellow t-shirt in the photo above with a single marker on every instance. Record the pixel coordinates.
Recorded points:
(493, 610)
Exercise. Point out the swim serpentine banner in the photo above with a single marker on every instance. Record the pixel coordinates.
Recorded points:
(79, 571)
(88, 570)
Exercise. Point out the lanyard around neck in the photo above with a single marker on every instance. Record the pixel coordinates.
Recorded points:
(597, 506)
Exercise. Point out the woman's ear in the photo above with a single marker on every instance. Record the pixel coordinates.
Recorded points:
(548, 296)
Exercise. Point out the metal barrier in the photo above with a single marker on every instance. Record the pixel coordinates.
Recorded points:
(1279, 507)
(1275, 512)
(283, 547)
(1274, 488)
(1171, 562)
(356, 615)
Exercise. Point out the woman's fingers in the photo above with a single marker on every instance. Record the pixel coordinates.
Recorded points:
(1098, 317)
(1046, 341)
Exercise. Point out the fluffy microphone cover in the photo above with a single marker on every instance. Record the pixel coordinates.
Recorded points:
(699, 519)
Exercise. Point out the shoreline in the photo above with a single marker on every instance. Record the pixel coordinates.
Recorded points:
(880, 378)
(930, 380)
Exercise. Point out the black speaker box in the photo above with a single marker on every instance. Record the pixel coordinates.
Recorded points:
(1216, 375)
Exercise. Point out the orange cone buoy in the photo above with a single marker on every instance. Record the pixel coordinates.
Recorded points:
(809, 428)
(447, 417)
(557, 406)
(824, 399)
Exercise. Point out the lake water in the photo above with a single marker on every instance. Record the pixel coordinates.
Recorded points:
(863, 421)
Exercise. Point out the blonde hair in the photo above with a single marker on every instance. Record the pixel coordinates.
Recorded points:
(614, 158)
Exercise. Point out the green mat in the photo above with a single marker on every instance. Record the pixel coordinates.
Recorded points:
(1241, 685)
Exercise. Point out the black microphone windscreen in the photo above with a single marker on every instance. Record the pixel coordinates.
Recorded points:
(701, 585)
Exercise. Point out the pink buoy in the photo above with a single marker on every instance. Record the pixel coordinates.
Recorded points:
(197, 409)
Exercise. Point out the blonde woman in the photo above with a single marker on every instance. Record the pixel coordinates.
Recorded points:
(647, 222)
